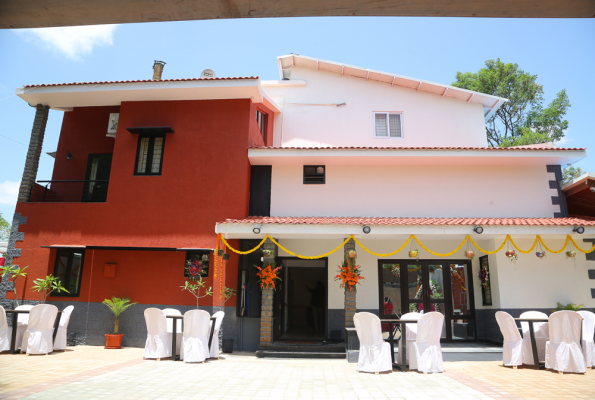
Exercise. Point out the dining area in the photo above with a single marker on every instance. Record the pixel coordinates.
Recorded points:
(561, 342)
(192, 337)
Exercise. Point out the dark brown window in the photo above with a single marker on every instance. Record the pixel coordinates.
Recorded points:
(261, 120)
(314, 174)
(69, 269)
(149, 155)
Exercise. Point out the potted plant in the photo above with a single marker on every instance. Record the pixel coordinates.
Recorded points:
(13, 272)
(47, 285)
(117, 306)
(268, 253)
(227, 344)
(512, 256)
(414, 254)
(571, 254)
(352, 254)
(469, 254)
(569, 306)
(540, 254)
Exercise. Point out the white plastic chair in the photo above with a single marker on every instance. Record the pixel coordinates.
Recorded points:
(39, 337)
(563, 351)
(170, 326)
(426, 356)
(512, 348)
(22, 322)
(214, 352)
(60, 342)
(195, 343)
(158, 344)
(588, 331)
(410, 334)
(5, 331)
(542, 335)
(374, 352)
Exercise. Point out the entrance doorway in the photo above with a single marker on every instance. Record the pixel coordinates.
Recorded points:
(443, 286)
(300, 303)
(97, 177)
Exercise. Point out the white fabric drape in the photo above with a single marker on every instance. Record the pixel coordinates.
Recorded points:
(214, 352)
(588, 332)
(22, 323)
(170, 327)
(158, 344)
(410, 334)
(374, 352)
(427, 354)
(512, 348)
(541, 330)
(195, 343)
(563, 350)
(60, 342)
(39, 337)
(5, 331)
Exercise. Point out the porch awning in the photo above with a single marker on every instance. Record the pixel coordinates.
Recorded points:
(386, 226)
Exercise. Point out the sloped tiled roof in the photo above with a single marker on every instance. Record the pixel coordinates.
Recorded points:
(412, 221)
(141, 80)
(425, 148)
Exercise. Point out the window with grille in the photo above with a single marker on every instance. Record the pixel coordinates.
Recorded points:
(314, 174)
(388, 125)
(261, 119)
(149, 155)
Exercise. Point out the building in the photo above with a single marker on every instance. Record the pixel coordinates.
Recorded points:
(326, 152)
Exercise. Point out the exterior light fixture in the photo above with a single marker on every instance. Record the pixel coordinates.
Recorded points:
(68, 156)
(367, 229)
(478, 229)
(256, 229)
(579, 229)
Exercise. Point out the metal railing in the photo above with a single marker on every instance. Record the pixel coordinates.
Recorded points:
(62, 191)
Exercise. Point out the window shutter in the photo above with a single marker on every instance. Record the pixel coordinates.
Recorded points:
(380, 123)
(395, 125)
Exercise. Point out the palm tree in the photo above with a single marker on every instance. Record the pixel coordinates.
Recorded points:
(118, 306)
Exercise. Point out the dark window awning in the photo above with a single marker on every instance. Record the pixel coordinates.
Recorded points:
(150, 130)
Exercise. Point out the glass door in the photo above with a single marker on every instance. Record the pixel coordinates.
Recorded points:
(423, 286)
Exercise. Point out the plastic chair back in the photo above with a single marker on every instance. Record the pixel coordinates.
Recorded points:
(42, 318)
(411, 328)
(3, 322)
(196, 324)
(23, 319)
(65, 317)
(507, 326)
(155, 320)
(219, 315)
(170, 321)
(369, 331)
(588, 324)
(565, 327)
(429, 328)
(541, 329)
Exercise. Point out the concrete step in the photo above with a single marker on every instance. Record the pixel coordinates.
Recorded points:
(299, 354)
(304, 348)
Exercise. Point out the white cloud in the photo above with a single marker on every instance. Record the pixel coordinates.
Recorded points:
(72, 42)
(9, 192)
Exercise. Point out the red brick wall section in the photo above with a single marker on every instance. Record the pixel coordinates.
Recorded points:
(205, 179)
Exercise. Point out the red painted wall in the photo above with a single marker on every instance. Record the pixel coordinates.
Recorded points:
(205, 179)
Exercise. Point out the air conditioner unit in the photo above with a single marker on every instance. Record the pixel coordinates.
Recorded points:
(112, 126)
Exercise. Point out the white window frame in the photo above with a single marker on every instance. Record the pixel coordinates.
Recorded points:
(387, 125)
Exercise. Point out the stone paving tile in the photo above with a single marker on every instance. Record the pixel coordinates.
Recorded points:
(87, 372)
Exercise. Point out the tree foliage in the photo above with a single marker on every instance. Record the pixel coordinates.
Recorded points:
(523, 120)
(570, 173)
(4, 229)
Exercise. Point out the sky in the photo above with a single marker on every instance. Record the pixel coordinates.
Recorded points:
(560, 51)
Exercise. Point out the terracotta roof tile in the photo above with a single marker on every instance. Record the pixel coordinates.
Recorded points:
(141, 80)
(412, 221)
(425, 148)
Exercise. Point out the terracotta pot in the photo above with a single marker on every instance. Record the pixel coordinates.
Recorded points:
(469, 254)
(113, 341)
(352, 254)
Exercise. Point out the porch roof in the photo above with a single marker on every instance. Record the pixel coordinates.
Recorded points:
(383, 226)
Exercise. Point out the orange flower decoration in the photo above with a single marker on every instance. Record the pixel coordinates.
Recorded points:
(268, 276)
(349, 277)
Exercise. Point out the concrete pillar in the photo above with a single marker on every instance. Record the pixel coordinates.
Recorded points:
(350, 307)
(35, 143)
(266, 309)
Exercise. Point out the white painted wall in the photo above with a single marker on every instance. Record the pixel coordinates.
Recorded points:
(428, 119)
(532, 283)
(415, 191)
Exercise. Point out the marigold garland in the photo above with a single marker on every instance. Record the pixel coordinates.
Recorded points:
(268, 275)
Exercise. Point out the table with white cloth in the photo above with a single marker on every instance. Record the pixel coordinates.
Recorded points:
(391, 340)
(174, 356)
(14, 349)
(538, 365)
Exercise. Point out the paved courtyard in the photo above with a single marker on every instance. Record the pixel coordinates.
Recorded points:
(87, 372)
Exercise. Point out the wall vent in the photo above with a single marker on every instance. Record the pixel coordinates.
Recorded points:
(112, 126)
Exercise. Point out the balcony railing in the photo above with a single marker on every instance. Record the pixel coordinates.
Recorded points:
(69, 191)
